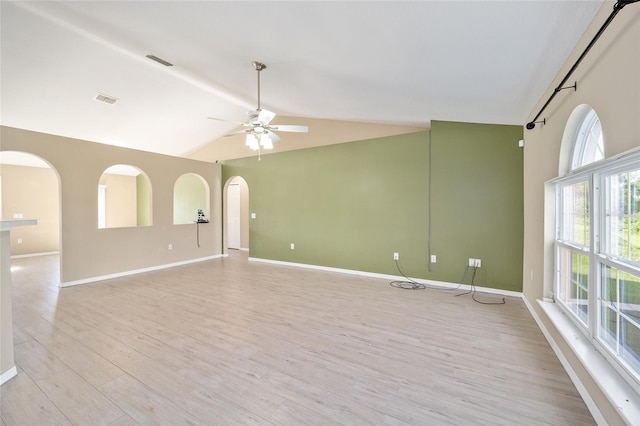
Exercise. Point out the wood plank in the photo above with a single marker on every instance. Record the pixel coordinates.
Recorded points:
(36, 361)
(235, 342)
(143, 404)
(79, 401)
(24, 403)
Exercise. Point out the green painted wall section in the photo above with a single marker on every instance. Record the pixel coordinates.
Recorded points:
(477, 202)
(353, 205)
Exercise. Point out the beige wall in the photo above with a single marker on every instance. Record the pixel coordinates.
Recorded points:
(321, 132)
(32, 191)
(91, 252)
(609, 81)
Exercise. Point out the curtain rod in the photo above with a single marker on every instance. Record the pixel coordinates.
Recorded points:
(616, 8)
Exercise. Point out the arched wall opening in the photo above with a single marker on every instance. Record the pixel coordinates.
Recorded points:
(124, 197)
(191, 194)
(236, 215)
(31, 189)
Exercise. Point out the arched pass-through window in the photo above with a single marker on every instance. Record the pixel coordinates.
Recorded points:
(190, 196)
(124, 197)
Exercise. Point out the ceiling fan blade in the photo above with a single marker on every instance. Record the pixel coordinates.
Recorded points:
(265, 116)
(240, 132)
(274, 138)
(290, 128)
(228, 121)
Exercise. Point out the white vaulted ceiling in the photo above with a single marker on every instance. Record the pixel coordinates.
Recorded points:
(397, 62)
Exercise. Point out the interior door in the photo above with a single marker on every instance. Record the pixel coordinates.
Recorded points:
(233, 216)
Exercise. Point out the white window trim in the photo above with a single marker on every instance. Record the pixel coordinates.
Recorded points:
(620, 393)
(620, 386)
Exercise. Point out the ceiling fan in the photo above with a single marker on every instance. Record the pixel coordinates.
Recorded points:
(259, 131)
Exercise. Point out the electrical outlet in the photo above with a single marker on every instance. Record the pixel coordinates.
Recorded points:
(472, 261)
(478, 263)
(434, 259)
(396, 256)
(170, 247)
(19, 240)
(293, 246)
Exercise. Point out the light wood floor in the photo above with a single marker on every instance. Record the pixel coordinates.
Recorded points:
(236, 342)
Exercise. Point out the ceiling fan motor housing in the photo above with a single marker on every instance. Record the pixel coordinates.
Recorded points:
(253, 117)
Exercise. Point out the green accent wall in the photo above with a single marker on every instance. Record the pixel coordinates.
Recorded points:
(477, 202)
(353, 205)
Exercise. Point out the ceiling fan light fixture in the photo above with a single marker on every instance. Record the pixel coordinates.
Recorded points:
(252, 142)
(258, 129)
(265, 141)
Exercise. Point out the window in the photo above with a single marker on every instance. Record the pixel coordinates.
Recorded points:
(588, 144)
(619, 267)
(597, 280)
(573, 246)
(623, 216)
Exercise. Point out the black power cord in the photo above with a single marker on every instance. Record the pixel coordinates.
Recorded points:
(472, 290)
(410, 284)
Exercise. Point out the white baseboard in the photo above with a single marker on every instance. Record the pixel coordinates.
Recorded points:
(591, 405)
(620, 394)
(137, 271)
(8, 375)
(390, 277)
(46, 253)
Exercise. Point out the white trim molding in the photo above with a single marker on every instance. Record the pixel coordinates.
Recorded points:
(8, 375)
(617, 390)
(390, 277)
(138, 271)
(46, 253)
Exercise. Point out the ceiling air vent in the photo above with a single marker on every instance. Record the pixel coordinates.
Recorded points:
(160, 61)
(106, 99)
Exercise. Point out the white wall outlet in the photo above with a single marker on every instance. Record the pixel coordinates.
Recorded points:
(434, 259)
(396, 256)
(253, 215)
(293, 246)
(477, 263)
(19, 240)
(170, 247)
(472, 261)
(18, 216)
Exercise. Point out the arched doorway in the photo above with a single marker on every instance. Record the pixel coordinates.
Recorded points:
(30, 189)
(236, 215)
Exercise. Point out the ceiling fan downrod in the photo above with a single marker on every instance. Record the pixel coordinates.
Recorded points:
(259, 66)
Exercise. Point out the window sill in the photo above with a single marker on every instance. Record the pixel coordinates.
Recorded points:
(618, 391)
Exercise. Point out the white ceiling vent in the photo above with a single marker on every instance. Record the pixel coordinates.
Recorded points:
(106, 99)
